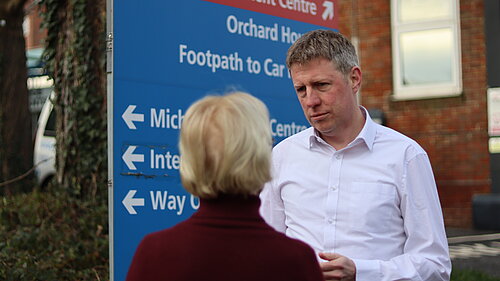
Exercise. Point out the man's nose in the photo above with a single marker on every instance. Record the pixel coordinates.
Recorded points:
(312, 98)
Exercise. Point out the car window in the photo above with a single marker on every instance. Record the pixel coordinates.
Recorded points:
(50, 127)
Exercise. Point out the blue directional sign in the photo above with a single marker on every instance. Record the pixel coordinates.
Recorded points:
(166, 55)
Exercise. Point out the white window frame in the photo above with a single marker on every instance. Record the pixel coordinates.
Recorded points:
(431, 90)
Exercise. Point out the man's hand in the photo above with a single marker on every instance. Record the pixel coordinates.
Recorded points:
(337, 267)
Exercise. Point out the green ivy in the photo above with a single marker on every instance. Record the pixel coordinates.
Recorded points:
(75, 55)
(2, 144)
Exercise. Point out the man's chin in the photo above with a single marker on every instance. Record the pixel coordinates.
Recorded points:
(324, 131)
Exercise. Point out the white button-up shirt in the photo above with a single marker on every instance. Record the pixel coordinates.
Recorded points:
(374, 201)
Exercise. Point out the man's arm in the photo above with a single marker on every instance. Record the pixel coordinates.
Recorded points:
(425, 255)
(272, 208)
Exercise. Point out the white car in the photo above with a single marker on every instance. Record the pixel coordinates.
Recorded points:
(45, 141)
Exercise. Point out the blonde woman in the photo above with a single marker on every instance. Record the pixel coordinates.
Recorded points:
(225, 147)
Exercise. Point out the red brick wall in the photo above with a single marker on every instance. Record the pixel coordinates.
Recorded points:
(34, 39)
(452, 130)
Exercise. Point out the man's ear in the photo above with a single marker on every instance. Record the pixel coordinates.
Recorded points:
(355, 77)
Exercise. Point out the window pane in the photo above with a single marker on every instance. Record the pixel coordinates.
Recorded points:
(426, 56)
(50, 127)
(418, 10)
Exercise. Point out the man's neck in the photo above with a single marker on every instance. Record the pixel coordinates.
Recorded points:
(340, 141)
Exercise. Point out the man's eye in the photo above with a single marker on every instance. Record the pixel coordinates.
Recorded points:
(300, 91)
(322, 86)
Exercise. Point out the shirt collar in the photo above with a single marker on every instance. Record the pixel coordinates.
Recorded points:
(369, 130)
(367, 134)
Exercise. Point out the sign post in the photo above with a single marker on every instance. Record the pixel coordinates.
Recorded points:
(164, 55)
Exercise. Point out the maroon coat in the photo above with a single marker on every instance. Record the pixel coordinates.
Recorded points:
(226, 239)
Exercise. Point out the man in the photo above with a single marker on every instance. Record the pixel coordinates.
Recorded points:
(361, 194)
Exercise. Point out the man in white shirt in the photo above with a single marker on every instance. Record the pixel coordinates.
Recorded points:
(361, 194)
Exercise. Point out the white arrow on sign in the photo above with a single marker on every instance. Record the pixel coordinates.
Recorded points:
(129, 157)
(129, 202)
(129, 117)
(328, 12)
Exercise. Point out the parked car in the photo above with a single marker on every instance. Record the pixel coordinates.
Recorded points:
(45, 150)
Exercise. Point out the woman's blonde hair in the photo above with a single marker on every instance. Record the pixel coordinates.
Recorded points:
(225, 145)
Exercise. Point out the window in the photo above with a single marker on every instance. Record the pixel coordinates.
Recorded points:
(50, 127)
(426, 49)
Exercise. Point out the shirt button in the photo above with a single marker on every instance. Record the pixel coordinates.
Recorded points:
(338, 156)
(330, 221)
(333, 188)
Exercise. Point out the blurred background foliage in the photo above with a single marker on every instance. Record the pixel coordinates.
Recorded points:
(49, 235)
(60, 232)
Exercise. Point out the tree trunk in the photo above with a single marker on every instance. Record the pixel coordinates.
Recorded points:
(16, 142)
(75, 55)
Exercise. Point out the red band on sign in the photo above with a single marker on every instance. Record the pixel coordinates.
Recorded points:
(318, 12)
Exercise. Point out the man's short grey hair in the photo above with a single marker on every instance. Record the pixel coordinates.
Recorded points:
(326, 44)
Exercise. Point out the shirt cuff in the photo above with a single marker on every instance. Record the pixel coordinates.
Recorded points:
(367, 270)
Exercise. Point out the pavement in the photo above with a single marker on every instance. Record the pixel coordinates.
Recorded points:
(475, 249)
